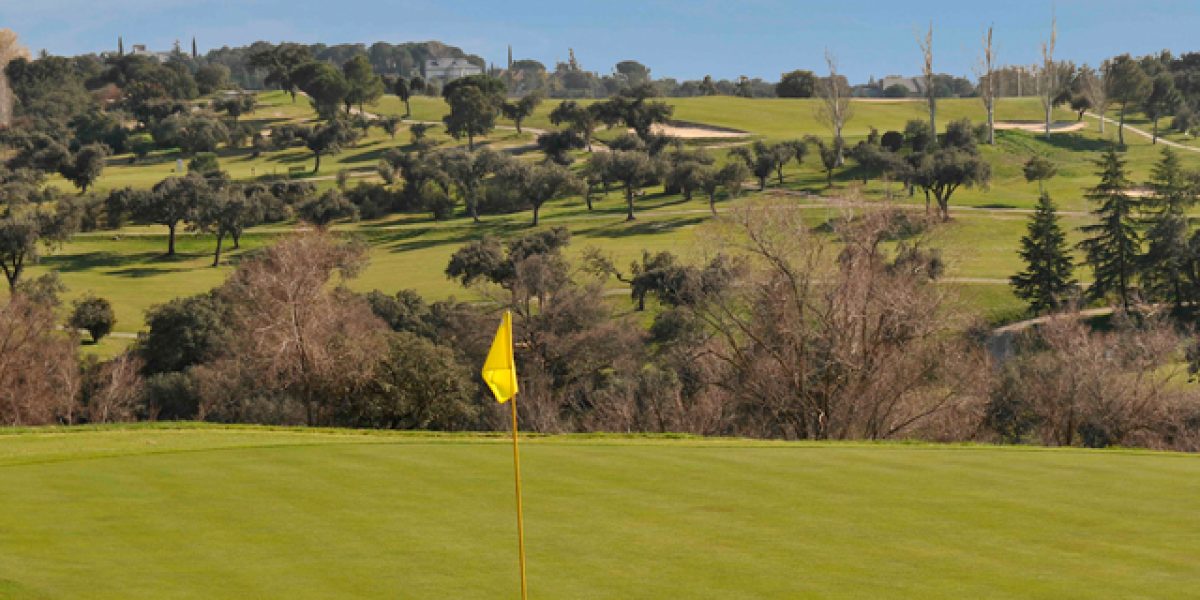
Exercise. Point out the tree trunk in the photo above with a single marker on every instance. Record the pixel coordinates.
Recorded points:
(1154, 134)
(712, 203)
(518, 123)
(217, 254)
(317, 166)
(12, 277)
(991, 120)
(933, 115)
(629, 201)
(473, 208)
(407, 108)
(536, 209)
(762, 183)
(1121, 126)
(470, 142)
(237, 239)
(171, 239)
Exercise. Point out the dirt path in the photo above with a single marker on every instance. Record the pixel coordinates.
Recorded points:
(1040, 126)
(1020, 326)
(1146, 134)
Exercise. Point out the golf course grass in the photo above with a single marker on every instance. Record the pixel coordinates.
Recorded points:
(189, 511)
(410, 251)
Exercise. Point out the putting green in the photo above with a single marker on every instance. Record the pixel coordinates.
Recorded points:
(206, 512)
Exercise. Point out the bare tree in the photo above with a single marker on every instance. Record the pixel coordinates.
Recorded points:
(1093, 85)
(987, 83)
(114, 389)
(1072, 385)
(834, 108)
(39, 372)
(9, 49)
(833, 342)
(1048, 79)
(299, 347)
(927, 74)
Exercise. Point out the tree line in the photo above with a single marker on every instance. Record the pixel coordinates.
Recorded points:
(799, 335)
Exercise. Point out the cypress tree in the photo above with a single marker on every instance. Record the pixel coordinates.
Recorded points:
(1167, 262)
(1047, 279)
(1113, 244)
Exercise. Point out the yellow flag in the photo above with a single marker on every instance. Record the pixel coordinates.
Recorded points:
(500, 370)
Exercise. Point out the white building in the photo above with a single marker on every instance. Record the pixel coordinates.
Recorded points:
(449, 69)
(140, 50)
(912, 84)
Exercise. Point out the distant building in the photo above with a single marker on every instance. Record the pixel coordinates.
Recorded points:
(449, 69)
(140, 50)
(912, 84)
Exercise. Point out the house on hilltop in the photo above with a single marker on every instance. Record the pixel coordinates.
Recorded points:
(141, 50)
(912, 84)
(448, 69)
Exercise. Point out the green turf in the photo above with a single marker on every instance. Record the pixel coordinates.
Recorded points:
(253, 513)
(410, 251)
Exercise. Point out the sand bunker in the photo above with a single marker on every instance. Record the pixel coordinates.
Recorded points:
(692, 131)
(1040, 126)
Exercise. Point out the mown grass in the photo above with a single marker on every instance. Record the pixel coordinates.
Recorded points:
(201, 512)
(410, 251)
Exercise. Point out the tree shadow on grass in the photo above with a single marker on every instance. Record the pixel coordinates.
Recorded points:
(421, 238)
(1077, 143)
(372, 155)
(140, 272)
(637, 228)
(74, 263)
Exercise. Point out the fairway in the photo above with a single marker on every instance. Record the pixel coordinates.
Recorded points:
(207, 512)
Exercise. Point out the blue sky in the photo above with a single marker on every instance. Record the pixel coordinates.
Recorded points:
(758, 38)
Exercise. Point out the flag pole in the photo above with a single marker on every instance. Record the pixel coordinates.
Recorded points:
(520, 516)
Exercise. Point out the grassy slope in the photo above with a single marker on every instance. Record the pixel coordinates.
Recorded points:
(411, 251)
(236, 513)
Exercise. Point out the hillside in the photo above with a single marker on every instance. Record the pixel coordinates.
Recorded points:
(210, 512)
(410, 251)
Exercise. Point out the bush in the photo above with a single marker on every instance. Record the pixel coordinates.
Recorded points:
(171, 397)
(183, 332)
(893, 141)
(95, 315)
(1185, 120)
(204, 163)
(141, 144)
(373, 200)
(501, 200)
(916, 133)
(327, 208)
(419, 385)
(434, 200)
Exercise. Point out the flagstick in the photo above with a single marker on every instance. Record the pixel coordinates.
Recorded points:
(520, 516)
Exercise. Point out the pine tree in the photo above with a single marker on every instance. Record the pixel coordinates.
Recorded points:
(1173, 189)
(1047, 279)
(1113, 245)
(1167, 262)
